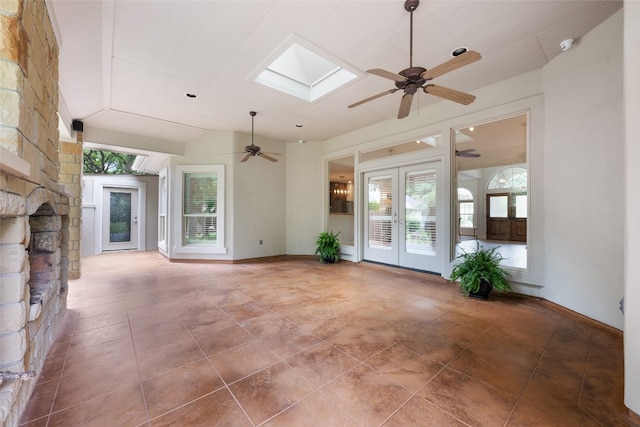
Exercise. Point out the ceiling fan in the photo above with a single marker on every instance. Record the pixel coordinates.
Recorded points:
(413, 78)
(469, 152)
(253, 150)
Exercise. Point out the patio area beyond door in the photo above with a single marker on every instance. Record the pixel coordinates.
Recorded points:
(120, 219)
(401, 221)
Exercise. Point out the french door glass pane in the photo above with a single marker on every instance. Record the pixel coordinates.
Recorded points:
(498, 206)
(120, 217)
(521, 206)
(420, 212)
(379, 211)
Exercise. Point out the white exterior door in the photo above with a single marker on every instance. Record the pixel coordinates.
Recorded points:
(120, 219)
(402, 217)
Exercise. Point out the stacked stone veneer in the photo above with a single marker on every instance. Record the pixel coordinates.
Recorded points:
(34, 208)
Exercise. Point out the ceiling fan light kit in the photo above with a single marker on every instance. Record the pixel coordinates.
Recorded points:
(413, 78)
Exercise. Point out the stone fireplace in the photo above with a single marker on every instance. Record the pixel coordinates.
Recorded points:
(40, 203)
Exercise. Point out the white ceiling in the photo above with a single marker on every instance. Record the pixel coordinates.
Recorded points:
(125, 66)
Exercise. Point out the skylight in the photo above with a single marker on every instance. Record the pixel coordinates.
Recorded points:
(301, 72)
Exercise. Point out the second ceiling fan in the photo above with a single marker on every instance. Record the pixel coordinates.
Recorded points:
(253, 150)
(413, 78)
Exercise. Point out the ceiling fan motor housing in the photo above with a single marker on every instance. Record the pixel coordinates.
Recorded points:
(414, 78)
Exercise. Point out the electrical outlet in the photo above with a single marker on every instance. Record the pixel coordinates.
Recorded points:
(260, 241)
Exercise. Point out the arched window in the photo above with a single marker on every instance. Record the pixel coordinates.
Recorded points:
(465, 202)
(513, 178)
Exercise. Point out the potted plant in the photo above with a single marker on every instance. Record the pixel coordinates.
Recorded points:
(479, 272)
(328, 246)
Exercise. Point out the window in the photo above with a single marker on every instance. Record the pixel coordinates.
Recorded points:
(466, 208)
(202, 208)
(162, 211)
(514, 178)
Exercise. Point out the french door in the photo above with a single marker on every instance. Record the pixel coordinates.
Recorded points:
(507, 217)
(402, 218)
(120, 219)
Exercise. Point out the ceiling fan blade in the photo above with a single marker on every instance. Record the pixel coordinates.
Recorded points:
(452, 64)
(267, 157)
(467, 153)
(405, 105)
(387, 74)
(371, 98)
(450, 94)
(245, 158)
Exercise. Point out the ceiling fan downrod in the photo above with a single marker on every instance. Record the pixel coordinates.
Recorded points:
(410, 6)
(252, 114)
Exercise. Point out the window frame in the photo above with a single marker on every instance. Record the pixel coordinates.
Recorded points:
(201, 248)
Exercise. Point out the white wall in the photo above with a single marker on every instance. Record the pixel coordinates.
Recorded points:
(254, 195)
(259, 202)
(632, 226)
(215, 148)
(584, 175)
(304, 195)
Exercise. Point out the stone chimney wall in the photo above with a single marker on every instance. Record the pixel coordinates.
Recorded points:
(34, 207)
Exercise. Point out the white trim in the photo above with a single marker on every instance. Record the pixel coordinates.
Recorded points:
(180, 250)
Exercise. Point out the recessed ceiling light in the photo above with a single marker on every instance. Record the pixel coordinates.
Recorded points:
(299, 125)
(458, 51)
(190, 95)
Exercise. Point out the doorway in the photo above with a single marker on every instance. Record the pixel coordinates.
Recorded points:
(506, 219)
(120, 219)
(402, 217)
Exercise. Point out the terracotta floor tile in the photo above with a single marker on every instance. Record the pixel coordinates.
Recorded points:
(202, 320)
(554, 393)
(439, 350)
(243, 360)
(419, 412)
(177, 387)
(162, 359)
(52, 368)
(527, 415)
(366, 396)
(270, 391)
(248, 310)
(119, 408)
(363, 343)
(216, 409)
(223, 339)
(41, 401)
(88, 384)
(101, 320)
(290, 343)
(81, 359)
(496, 369)
(150, 342)
(405, 367)
(101, 335)
(467, 399)
(322, 363)
(315, 410)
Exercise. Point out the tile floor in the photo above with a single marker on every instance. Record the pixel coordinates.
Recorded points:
(297, 343)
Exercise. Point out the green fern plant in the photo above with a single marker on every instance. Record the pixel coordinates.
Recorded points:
(481, 265)
(328, 246)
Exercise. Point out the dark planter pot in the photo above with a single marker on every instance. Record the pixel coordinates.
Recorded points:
(483, 292)
(328, 260)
